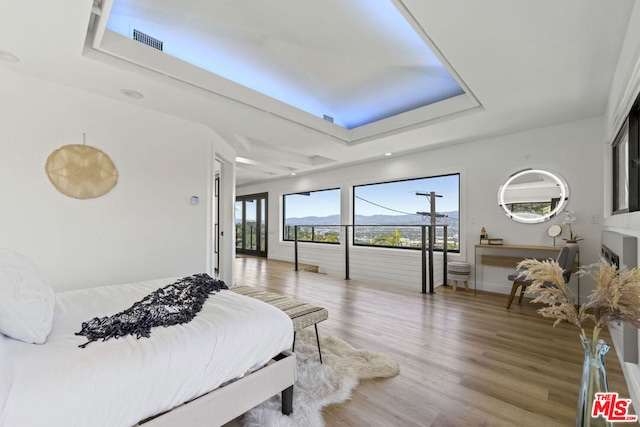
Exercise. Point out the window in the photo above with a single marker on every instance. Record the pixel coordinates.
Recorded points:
(621, 170)
(626, 152)
(390, 214)
(316, 213)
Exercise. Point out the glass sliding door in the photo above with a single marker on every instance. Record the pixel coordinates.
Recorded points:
(251, 225)
(239, 226)
(262, 226)
(216, 222)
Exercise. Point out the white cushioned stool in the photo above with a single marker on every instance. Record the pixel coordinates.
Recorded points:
(459, 272)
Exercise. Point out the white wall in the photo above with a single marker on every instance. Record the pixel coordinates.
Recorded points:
(573, 150)
(144, 228)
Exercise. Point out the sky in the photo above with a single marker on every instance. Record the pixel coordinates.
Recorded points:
(250, 210)
(395, 198)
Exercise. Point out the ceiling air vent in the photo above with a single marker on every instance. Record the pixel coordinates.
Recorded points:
(148, 40)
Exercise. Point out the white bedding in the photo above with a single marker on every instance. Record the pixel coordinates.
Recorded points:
(120, 382)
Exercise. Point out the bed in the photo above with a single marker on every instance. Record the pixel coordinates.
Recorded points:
(230, 357)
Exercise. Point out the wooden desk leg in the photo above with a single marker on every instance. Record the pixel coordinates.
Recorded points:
(514, 288)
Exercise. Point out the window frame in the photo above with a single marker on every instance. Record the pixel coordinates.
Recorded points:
(284, 217)
(631, 128)
(353, 204)
(619, 187)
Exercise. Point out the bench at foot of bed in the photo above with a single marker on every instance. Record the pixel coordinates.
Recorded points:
(302, 314)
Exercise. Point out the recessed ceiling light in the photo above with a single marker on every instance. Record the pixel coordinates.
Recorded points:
(292, 174)
(388, 154)
(132, 94)
(8, 57)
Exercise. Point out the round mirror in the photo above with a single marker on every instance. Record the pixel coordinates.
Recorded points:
(533, 195)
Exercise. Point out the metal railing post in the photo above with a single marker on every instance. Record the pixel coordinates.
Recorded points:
(431, 239)
(444, 254)
(424, 259)
(346, 252)
(295, 246)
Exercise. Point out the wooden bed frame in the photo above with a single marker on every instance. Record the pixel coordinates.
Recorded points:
(228, 402)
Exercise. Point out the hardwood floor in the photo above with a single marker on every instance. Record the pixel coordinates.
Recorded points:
(464, 359)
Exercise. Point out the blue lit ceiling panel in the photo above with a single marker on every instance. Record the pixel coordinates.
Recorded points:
(354, 61)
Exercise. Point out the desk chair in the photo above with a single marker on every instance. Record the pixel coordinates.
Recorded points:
(565, 259)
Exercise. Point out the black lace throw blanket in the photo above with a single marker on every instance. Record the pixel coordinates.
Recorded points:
(172, 305)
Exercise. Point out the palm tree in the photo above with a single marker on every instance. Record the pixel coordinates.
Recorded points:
(331, 237)
(389, 239)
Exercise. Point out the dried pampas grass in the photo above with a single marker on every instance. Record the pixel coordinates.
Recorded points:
(616, 298)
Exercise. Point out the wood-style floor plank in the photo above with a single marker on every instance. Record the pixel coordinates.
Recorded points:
(464, 359)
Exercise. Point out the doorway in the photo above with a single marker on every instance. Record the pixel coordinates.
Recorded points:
(216, 221)
(251, 225)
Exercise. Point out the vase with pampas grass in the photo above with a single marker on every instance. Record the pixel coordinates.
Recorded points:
(616, 299)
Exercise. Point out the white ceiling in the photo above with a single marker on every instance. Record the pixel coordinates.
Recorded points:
(523, 65)
(355, 61)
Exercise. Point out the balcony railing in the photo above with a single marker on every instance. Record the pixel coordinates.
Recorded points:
(314, 233)
(425, 241)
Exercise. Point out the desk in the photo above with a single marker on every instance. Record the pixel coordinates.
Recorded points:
(510, 258)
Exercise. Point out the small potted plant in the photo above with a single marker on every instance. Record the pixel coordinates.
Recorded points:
(570, 218)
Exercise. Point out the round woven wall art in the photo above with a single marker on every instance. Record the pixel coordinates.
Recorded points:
(81, 171)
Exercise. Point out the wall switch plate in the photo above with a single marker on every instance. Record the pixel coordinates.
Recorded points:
(595, 219)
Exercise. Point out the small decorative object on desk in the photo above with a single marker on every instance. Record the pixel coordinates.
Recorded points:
(616, 299)
(495, 241)
(570, 218)
(554, 231)
(484, 237)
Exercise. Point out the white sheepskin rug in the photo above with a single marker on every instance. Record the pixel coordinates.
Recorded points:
(319, 385)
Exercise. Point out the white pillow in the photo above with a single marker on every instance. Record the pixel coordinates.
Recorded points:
(26, 299)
